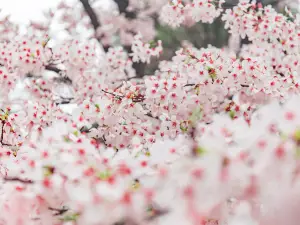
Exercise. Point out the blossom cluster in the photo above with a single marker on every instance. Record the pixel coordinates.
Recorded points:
(211, 137)
(176, 13)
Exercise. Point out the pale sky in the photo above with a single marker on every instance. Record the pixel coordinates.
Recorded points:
(24, 10)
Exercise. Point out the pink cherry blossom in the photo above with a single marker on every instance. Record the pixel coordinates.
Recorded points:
(211, 137)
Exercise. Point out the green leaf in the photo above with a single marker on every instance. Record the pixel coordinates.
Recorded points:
(196, 115)
(183, 127)
(104, 175)
(67, 139)
(135, 185)
(48, 170)
(231, 114)
(200, 151)
(71, 217)
(212, 73)
(297, 152)
(283, 136)
(297, 135)
(152, 44)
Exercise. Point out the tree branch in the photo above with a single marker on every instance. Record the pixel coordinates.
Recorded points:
(2, 135)
(59, 211)
(64, 101)
(16, 179)
(189, 85)
(89, 10)
(52, 68)
(122, 5)
(244, 85)
(64, 79)
(2, 132)
(85, 129)
(113, 94)
(150, 115)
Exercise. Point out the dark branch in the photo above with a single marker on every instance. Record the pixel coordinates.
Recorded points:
(189, 85)
(16, 179)
(2, 132)
(64, 101)
(2, 135)
(64, 79)
(89, 10)
(244, 85)
(52, 68)
(122, 5)
(150, 115)
(5, 144)
(138, 66)
(157, 213)
(101, 140)
(59, 211)
(85, 129)
(113, 94)
(138, 99)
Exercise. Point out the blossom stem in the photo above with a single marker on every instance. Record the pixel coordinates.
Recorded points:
(16, 179)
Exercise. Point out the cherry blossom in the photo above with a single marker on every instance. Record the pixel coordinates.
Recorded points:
(210, 137)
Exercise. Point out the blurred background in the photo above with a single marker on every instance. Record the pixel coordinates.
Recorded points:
(23, 12)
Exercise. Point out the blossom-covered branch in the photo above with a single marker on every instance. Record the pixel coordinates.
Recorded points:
(205, 139)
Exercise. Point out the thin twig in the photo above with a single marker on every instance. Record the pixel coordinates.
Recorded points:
(2, 132)
(16, 179)
(189, 85)
(113, 94)
(59, 211)
(244, 85)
